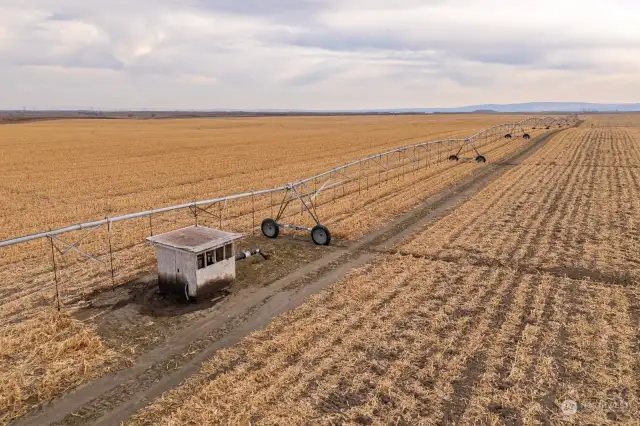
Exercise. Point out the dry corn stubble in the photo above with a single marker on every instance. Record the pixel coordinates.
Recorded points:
(80, 276)
(468, 341)
(56, 173)
(367, 205)
(87, 169)
(417, 342)
(45, 356)
(570, 209)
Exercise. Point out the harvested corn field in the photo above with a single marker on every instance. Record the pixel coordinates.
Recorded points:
(571, 209)
(68, 171)
(48, 355)
(355, 206)
(520, 307)
(629, 120)
(30, 295)
(411, 341)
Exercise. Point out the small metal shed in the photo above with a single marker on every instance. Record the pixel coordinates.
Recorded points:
(195, 261)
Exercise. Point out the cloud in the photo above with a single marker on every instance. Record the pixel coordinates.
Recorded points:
(315, 53)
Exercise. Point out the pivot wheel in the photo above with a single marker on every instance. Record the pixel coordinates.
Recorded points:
(270, 228)
(526, 136)
(507, 136)
(454, 158)
(480, 159)
(320, 235)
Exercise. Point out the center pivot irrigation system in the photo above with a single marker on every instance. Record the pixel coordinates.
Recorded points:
(532, 123)
(320, 234)
(307, 190)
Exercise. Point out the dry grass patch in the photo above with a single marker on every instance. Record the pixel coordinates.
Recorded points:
(46, 356)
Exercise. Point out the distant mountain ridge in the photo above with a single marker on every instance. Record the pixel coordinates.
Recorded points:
(529, 107)
(534, 107)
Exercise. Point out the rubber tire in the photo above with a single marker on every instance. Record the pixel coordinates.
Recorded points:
(508, 136)
(526, 136)
(454, 158)
(317, 240)
(270, 228)
(481, 159)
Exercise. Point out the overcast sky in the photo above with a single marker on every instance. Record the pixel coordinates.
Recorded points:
(316, 54)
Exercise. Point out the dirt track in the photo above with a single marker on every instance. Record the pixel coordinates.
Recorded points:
(114, 399)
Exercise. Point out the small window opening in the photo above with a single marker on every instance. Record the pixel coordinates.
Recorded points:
(219, 254)
(201, 261)
(211, 258)
(228, 251)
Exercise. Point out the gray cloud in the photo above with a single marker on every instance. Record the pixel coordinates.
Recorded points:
(273, 8)
(315, 54)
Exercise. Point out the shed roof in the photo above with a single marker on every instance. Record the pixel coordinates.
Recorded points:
(194, 239)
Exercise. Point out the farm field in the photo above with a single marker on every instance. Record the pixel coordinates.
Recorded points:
(356, 207)
(613, 120)
(572, 209)
(524, 297)
(45, 354)
(63, 172)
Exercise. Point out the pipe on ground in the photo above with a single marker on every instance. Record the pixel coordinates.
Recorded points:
(247, 254)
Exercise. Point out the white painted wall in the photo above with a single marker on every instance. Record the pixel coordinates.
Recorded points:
(222, 270)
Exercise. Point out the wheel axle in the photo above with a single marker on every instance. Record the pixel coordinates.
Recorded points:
(320, 234)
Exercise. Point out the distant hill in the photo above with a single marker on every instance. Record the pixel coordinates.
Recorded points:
(534, 107)
(530, 107)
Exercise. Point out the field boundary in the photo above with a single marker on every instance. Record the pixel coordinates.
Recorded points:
(114, 398)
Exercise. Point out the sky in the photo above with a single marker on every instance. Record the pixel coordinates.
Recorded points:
(315, 54)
